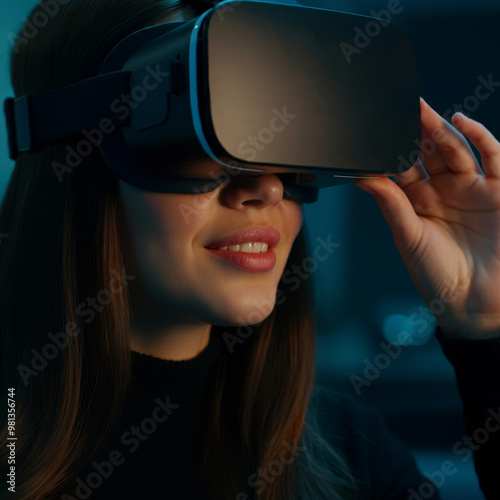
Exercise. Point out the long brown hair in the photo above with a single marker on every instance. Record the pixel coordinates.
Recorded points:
(62, 246)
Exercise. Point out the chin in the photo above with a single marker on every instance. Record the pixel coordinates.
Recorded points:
(249, 315)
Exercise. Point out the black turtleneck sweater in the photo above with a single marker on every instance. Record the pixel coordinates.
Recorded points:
(155, 447)
(154, 451)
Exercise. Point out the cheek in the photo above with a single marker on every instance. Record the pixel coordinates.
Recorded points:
(166, 217)
(294, 218)
(165, 236)
(161, 238)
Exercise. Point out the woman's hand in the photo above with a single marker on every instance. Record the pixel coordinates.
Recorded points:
(445, 219)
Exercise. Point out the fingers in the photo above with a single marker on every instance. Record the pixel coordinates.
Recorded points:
(396, 208)
(483, 140)
(443, 147)
(415, 174)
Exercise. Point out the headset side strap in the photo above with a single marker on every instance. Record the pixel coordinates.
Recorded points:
(36, 120)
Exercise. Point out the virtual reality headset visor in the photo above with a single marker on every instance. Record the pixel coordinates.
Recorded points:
(247, 88)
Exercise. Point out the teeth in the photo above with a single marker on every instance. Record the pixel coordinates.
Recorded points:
(257, 247)
(248, 247)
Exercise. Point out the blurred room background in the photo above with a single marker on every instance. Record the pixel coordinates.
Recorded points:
(364, 295)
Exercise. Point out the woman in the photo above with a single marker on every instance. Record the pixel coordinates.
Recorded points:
(139, 395)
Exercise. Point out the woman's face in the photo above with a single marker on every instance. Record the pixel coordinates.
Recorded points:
(170, 240)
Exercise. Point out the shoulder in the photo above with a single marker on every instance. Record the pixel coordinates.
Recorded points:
(338, 414)
(383, 466)
(353, 429)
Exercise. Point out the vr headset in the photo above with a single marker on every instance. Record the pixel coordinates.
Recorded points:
(247, 88)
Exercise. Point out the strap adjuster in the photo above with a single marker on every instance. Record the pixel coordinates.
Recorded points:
(19, 124)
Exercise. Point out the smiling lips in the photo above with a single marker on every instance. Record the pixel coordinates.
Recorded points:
(249, 249)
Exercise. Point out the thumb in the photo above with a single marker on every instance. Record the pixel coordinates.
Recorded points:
(396, 208)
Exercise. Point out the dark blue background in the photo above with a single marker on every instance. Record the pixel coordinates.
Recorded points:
(363, 292)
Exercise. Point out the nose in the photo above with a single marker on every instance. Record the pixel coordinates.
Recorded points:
(259, 191)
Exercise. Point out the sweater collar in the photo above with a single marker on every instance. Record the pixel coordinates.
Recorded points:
(203, 361)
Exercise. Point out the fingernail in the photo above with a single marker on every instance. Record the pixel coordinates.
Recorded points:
(458, 117)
